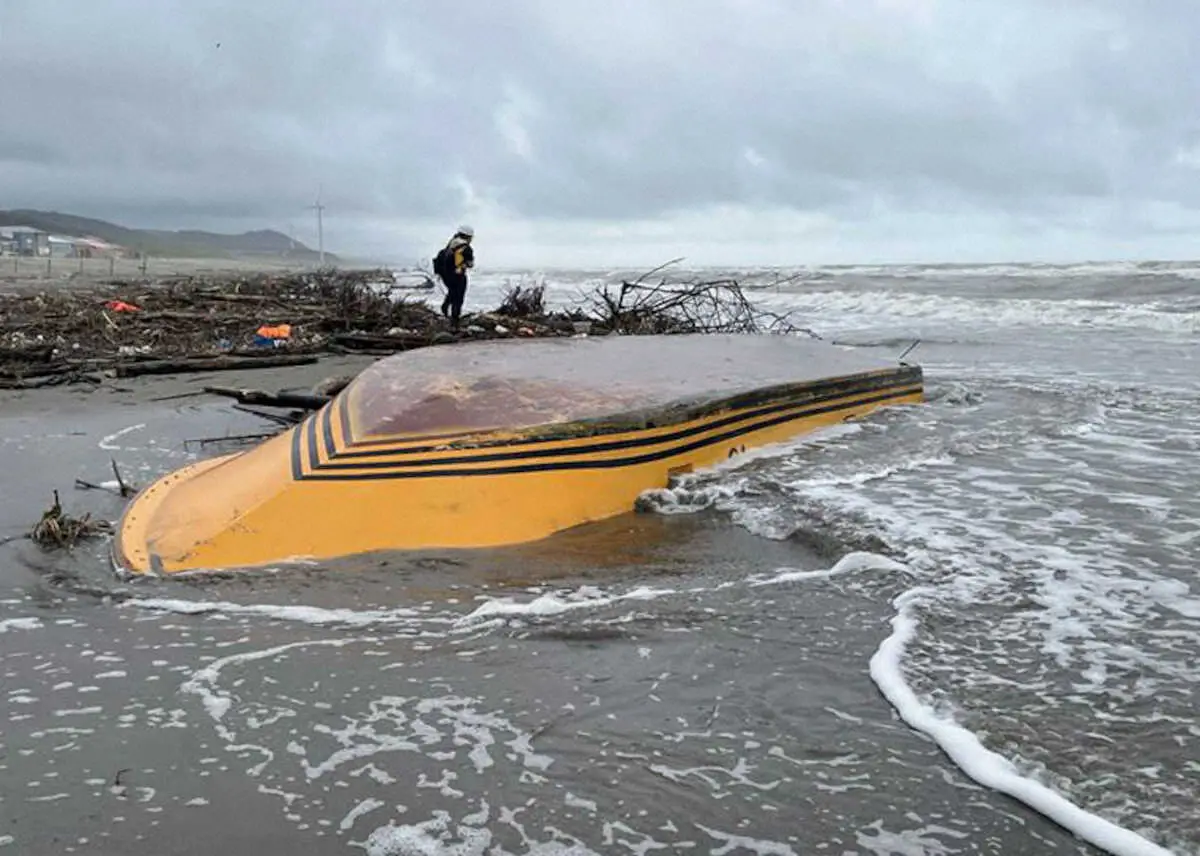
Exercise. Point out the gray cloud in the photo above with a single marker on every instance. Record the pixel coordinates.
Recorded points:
(226, 114)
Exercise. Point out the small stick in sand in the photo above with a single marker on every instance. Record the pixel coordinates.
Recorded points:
(125, 489)
(80, 484)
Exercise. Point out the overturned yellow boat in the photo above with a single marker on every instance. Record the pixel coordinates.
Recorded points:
(490, 443)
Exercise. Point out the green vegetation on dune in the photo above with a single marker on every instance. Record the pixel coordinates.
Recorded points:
(167, 244)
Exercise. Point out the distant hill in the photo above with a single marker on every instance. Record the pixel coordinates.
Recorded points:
(164, 244)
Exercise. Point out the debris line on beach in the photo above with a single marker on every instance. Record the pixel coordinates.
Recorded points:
(188, 324)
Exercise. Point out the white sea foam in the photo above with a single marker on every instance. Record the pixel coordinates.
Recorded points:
(204, 682)
(27, 623)
(592, 598)
(898, 309)
(587, 597)
(441, 836)
(387, 736)
(364, 807)
(563, 288)
(314, 615)
(732, 841)
(978, 762)
(429, 838)
(572, 801)
(109, 443)
(493, 609)
(1057, 271)
(826, 297)
(850, 563)
(922, 841)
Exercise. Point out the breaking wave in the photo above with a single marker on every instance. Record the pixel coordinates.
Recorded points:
(890, 307)
(1053, 534)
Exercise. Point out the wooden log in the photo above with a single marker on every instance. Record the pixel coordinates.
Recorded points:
(266, 353)
(172, 315)
(239, 298)
(376, 341)
(331, 386)
(58, 367)
(30, 354)
(233, 438)
(38, 371)
(48, 380)
(361, 352)
(212, 364)
(285, 420)
(297, 400)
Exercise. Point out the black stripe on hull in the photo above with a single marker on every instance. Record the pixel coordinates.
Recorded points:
(778, 397)
(795, 409)
(319, 471)
(749, 405)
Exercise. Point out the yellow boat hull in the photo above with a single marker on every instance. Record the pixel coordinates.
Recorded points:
(320, 491)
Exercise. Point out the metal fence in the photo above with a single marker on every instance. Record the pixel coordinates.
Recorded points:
(49, 269)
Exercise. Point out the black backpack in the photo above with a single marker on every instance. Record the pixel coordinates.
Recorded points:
(443, 262)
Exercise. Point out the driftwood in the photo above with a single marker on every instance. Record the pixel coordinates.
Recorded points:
(39, 371)
(120, 323)
(698, 306)
(524, 302)
(123, 488)
(285, 420)
(212, 364)
(240, 439)
(42, 381)
(186, 324)
(390, 343)
(56, 529)
(331, 386)
(82, 484)
(297, 400)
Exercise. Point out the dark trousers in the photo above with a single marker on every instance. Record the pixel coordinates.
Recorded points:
(456, 293)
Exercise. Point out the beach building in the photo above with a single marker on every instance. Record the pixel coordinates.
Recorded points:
(29, 241)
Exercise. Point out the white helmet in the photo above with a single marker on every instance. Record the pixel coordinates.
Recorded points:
(466, 230)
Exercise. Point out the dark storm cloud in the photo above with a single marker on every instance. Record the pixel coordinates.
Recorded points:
(229, 111)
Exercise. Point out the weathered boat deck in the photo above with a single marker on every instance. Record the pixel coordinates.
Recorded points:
(515, 384)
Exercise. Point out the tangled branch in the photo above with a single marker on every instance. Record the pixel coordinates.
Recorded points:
(695, 306)
(57, 529)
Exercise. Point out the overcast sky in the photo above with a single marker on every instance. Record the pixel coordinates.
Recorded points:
(619, 131)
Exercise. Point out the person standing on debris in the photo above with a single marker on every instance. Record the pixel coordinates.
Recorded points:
(451, 265)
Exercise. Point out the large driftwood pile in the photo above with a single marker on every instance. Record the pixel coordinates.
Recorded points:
(192, 324)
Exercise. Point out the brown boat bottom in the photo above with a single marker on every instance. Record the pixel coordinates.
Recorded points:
(315, 493)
